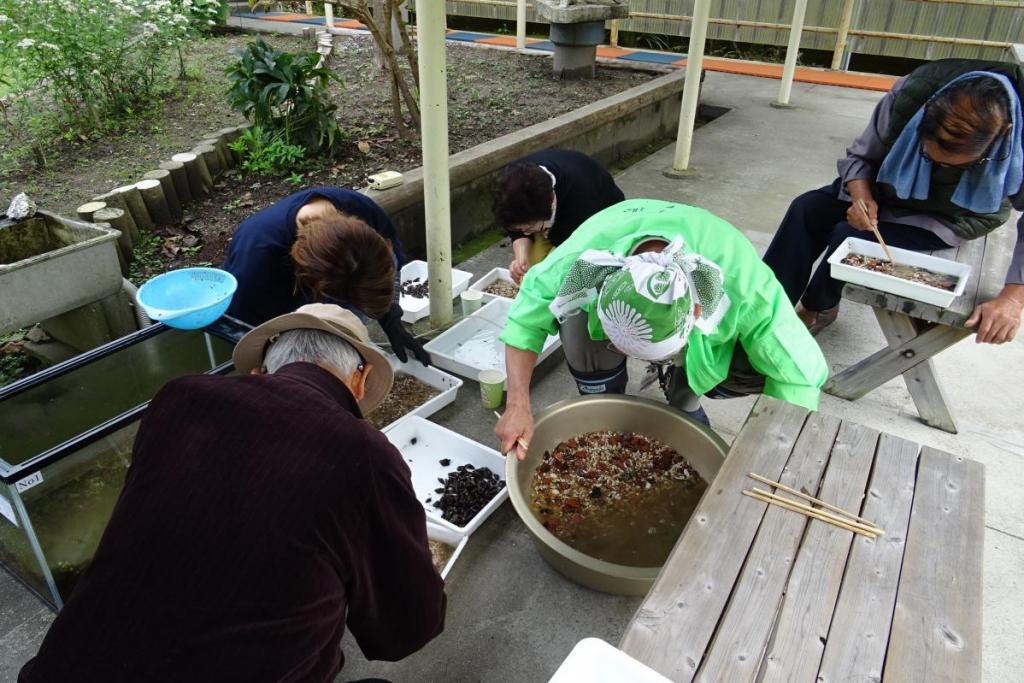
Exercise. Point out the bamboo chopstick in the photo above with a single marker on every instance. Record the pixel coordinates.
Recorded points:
(521, 441)
(801, 494)
(874, 228)
(869, 528)
(809, 512)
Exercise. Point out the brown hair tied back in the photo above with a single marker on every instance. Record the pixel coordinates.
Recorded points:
(967, 116)
(342, 258)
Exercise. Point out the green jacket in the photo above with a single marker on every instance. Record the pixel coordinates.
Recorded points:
(760, 316)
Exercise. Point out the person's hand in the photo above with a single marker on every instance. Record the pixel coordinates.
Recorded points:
(400, 338)
(515, 424)
(855, 217)
(517, 269)
(997, 321)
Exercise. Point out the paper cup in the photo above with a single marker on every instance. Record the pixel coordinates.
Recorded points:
(492, 388)
(471, 300)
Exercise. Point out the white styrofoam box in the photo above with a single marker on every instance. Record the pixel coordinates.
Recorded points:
(897, 285)
(492, 276)
(452, 538)
(415, 308)
(595, 661)
(423, 445)
(472, 344)
(447, 384)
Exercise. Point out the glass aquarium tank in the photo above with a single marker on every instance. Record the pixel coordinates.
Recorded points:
(66, 437)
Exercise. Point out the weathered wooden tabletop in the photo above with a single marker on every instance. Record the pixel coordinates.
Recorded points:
(757, 592)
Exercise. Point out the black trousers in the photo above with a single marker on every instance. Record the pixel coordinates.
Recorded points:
(816, 224)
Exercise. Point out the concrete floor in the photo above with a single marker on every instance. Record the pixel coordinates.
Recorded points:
(510, 617)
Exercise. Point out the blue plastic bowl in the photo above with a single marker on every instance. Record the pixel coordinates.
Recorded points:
(188, 299)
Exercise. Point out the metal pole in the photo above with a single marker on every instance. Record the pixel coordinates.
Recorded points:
(792, 51)
(844, 32)
(691, 86)
(430, 32)
(521, 24)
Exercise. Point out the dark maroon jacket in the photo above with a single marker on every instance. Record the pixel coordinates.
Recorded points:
(261, 514)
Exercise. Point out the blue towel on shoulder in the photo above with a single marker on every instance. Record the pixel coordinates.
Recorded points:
(982, 188)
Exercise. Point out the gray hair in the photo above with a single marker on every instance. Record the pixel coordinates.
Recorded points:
(312, 346)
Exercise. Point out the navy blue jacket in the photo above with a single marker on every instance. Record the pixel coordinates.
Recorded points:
(259, 255)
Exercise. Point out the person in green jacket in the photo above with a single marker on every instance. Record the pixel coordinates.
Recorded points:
(664, 283)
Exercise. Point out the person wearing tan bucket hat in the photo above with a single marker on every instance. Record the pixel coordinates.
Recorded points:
(261, 518)
(375, 375)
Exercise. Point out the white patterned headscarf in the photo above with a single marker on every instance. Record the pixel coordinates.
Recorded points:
(646, 303)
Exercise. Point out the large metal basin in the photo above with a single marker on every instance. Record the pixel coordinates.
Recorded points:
(50, 265)
(701, 447)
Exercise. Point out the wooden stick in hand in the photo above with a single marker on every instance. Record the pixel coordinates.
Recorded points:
(521, 441)
(874, 228)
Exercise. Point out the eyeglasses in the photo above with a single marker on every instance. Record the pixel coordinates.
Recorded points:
(985, 157)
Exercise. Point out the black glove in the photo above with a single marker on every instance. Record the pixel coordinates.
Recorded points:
(400, 338)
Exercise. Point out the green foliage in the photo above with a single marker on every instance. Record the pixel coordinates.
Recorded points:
(285, 95)
(266, 153)
(96, 57)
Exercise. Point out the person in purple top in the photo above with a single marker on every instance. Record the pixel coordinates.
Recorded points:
(939, 163)
(327, 244)
(261, 518)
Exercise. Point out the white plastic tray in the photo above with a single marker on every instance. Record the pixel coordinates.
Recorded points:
(595, 661)
(492, 276)
(429, 375)
(423, 445)
(472, 344)
(415, 308)
(896, 285)
(453, 538)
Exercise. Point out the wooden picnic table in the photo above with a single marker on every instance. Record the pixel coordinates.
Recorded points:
(757, 592)
(917, 332)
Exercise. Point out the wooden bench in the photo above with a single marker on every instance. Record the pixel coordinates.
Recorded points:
(753, 591)
(916, 332)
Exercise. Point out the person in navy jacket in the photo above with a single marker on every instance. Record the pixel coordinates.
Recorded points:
(326, 244)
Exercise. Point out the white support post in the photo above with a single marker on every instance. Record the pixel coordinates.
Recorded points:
(309, 7)
(520, 24)
(792, 51)
(329, 14)
(691, 87)
(844, 32)
(430, 32)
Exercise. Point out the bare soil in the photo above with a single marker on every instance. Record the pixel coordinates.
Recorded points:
(491, 93)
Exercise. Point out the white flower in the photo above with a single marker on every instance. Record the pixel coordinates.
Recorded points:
(149, 28)
(49, 46)
(4, 19)
(26, 42)
(626, 328)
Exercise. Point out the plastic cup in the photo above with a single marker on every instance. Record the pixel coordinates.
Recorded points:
(492, 388)
(471, 300)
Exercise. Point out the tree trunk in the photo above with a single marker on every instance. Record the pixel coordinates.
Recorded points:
(136, 206)
(118, 220)
(156, 203)
(115, 200)
(87, 210)
(179, 177)
(199, 180)
(170, 194)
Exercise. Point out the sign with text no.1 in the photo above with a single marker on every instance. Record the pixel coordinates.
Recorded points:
(28, 482)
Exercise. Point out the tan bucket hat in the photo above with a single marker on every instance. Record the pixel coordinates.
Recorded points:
(329, 318)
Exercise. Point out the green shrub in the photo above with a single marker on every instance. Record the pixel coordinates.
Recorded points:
(96, 57)
(285, 95)
(265, 153)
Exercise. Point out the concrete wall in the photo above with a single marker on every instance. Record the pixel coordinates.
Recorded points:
(610, 130)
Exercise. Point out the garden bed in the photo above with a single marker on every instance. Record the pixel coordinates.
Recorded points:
(490, 93)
